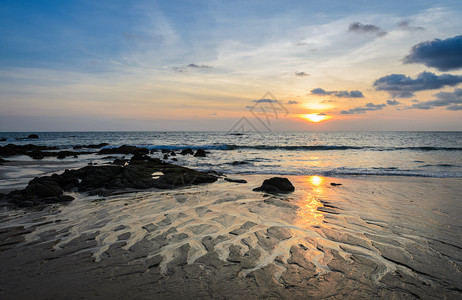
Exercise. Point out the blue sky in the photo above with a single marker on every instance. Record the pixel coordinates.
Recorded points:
(159, 65)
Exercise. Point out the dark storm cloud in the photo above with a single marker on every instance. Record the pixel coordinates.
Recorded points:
(366, 29)
(452, 101)
(402, 86)
(392, 102)
(444, 55)
(363, 109)
(340, 94)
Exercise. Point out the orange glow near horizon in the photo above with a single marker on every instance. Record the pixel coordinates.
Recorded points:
(315, 117)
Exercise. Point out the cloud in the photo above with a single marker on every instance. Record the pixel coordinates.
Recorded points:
(198, 66)
(363, 109)
(405, 26)
(452, 101)
(192, 66)
(402, 86)
(366, 29)
(454, 107)
(265, 101)
(393, 102)
(292, 102)
(340, 94)
(322, 114)
(444, 55)
(301, 74)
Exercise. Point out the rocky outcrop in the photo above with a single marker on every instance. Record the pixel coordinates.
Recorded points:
(200, 153)
(91, 146)
(125, 149)
(187, 151)
(104, 180)
(276, 185)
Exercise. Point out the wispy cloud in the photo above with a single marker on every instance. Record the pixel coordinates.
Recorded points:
(402, 86)
(358, 27)
(301, 74)
(450, 100)
(363, 109)
(339, 94)
(393, 102)
(193, 67)
(405, 26)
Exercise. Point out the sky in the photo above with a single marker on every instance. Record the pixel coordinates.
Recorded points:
(230, 65)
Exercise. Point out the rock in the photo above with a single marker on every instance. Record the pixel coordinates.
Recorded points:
(276, 185)
(335, 184)
(165, 151)
(42, 188)
(236, 180)
(236, 163)
(165, 156)
(2, 161)
(200, 153)
(101, 180)
(36, 154)
(91, 146)
(172, 153)
(187, 151)
(32, 136)
(3, 139)
(174, 159)
(61, 156)
(125, 149)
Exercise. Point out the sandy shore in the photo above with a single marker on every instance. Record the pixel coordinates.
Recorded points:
(371, 237)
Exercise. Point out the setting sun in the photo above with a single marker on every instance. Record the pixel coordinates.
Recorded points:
(315, 117)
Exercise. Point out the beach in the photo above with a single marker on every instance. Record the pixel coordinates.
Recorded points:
(370, 237)
(154, 215)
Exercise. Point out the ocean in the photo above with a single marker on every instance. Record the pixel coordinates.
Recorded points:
(427, 154)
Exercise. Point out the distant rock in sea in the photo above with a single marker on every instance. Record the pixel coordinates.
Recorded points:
(200, 153)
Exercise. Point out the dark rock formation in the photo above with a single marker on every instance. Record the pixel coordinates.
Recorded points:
(2, 139)
(187, 151)
(32, 136)
(276, 185)
(200, 153)
(35, 151)
(236, 180)
(91, 146)
(125, 149)
(103, 180)
(236, 163)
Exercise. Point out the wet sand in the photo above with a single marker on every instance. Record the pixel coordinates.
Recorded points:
(371, 237)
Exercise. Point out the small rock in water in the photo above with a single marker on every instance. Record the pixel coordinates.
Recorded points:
(32, 136)
(200, 153)
(276, 185)
(187, 151)
(335, 184)
(236, 180)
